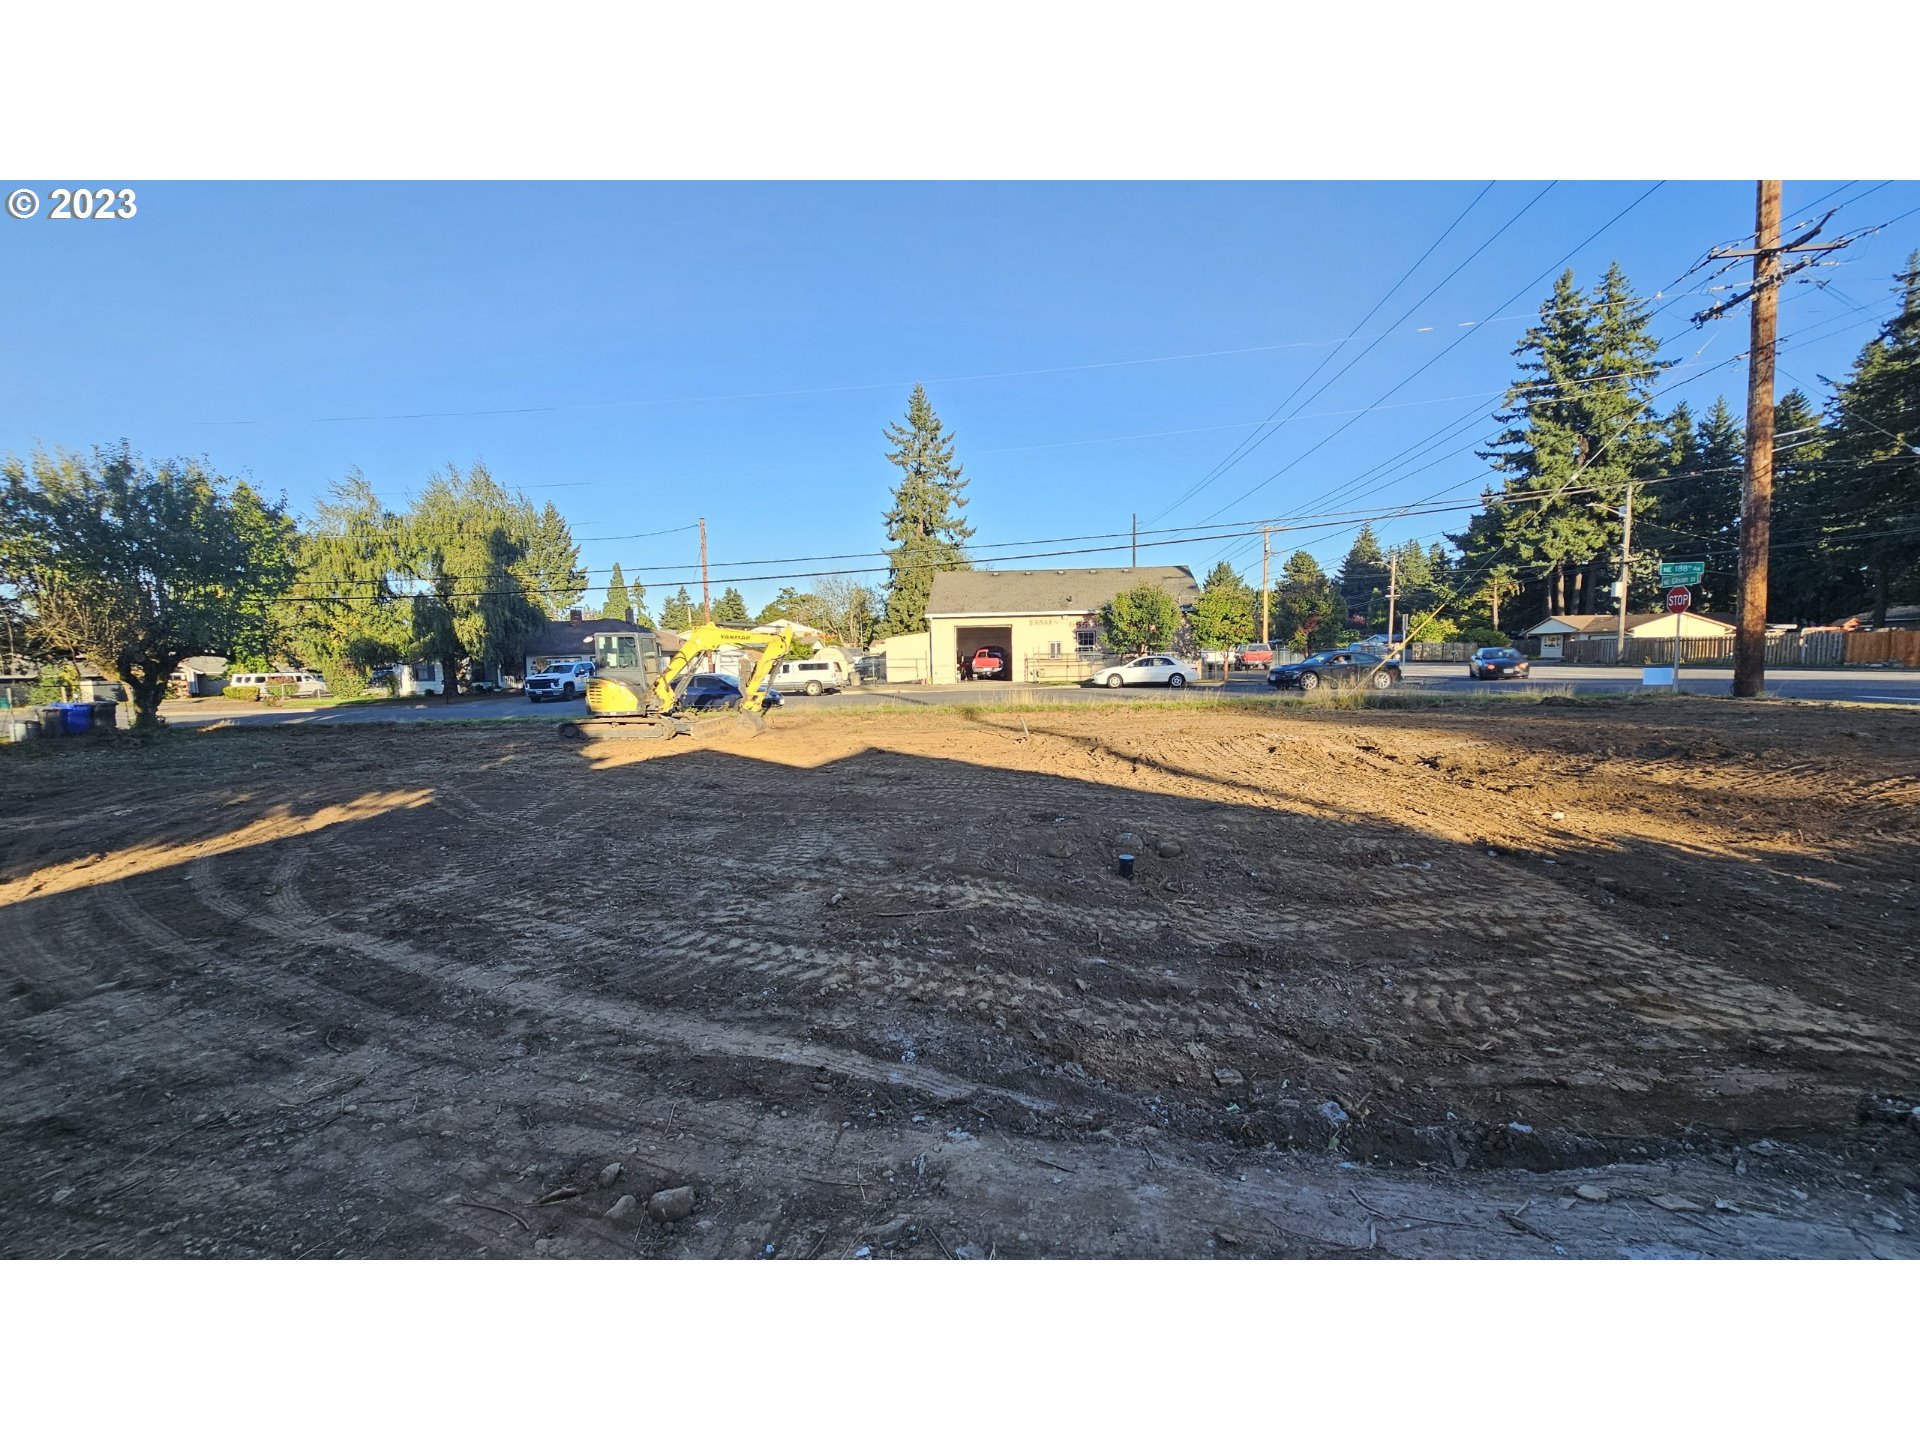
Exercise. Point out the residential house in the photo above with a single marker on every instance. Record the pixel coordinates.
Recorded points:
(201, 675)
(1548, 638)
(1033, 615)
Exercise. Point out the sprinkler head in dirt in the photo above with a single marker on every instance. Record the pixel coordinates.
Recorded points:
(1123, 866)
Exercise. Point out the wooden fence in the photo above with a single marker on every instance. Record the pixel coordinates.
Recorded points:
(1821, 648)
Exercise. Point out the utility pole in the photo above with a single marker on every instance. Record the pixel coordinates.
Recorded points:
(1756, 502)
(1136, 540)
(1393, 593)
(1626, 582)
(706, 592)
(1266, 605)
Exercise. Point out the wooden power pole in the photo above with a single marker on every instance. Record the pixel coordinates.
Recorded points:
(1626, 582)
(706, 591)
(1756, 502)
(1393, 594)
(1266, 605)
(1136, 540)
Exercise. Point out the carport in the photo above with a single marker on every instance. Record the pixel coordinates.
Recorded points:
(970, 638)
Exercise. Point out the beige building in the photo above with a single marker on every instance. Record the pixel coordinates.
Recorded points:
(1042, 619)
(1556, 630)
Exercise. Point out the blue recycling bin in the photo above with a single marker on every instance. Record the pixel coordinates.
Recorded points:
(75, 719)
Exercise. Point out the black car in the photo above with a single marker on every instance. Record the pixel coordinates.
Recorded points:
(1336, 668)
(1497, 662)
(719, 692)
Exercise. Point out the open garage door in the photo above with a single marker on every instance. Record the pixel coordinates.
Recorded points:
(976, 639)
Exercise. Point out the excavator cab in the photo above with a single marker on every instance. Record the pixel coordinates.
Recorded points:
(635, 697)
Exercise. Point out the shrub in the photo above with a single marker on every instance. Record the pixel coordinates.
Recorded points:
(345, 681)
(1484, 635)
(241, 692)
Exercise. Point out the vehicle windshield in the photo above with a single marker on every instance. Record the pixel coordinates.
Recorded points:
(1322, 655)
(556, 669)
(1494, 652)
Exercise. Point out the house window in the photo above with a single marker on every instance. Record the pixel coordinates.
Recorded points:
(1086, 638)
(1053, 650)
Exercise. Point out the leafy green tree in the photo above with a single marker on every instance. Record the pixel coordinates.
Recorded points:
(1579, 426)
(135, 567)
(731, 608)
(926, 530)
(1873, 481)
(842, 608)
(679, 613)
(1223, 616)
(789, 604)
(466, 549)
(1139, 620)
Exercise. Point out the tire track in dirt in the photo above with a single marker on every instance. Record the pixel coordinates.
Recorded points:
(686, 1032)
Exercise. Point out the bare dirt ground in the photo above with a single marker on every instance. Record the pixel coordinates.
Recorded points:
(1383, 984)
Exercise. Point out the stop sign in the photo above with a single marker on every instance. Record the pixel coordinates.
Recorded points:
(1679, 598)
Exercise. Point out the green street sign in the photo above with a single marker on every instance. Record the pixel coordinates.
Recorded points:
(1683, 572)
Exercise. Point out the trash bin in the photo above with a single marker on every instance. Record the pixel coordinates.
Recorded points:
(106, 715)
(75, 719)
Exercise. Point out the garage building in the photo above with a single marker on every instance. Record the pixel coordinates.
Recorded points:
(1043, 619)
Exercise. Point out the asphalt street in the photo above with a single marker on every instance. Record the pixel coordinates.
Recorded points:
(1900, 687)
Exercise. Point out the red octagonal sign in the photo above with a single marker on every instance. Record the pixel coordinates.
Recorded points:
(1679, 598)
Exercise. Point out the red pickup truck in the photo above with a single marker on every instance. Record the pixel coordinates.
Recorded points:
(1256, 652)
(989, 663)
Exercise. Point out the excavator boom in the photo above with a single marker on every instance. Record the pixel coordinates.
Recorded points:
(629, 705)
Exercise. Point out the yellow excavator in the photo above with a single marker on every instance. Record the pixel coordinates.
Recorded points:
(628, 704)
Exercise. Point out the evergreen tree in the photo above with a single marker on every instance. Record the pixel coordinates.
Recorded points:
(926, 531)
(1807, 579)
(1696, 514)
(789, 604)
(637, 597)
(344, 614)
(614, 607)
(1874, 471)
(549, 566)
(679, 613)
(1308, 611)
(1579, 419)
(1362, 579)
(467, 544)
(731, 608)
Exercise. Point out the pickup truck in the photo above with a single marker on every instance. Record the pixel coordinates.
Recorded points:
(563, 680)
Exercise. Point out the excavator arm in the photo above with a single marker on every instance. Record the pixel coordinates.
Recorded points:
(702, 640)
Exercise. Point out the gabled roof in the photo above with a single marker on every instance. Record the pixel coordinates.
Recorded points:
(1050, 592)
(569, 637)
(1610, 624)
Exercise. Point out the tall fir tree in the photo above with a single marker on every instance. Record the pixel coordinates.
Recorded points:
(614, 607)
(1309, 612)
(679, 612)
(731, 608)
(926, 530)
(1579, 425)
(1873, 526)
(1695, 514)
(1362, 579)
(1807, 581)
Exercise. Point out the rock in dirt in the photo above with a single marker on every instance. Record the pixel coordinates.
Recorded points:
(1672, 1202)
(1332, 1113)
(893, 1227)
(1886, 1109)
(1169, 849)
(610, 1174)
(1058, 848)
(668, 1206)
(1591, 1192)
(1228, 1078)
(968, 1252)
(622, 1208)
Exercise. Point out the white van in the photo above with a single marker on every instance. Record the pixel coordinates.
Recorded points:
(296, 682)
(809, 677)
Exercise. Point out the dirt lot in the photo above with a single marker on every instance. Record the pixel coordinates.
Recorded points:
(1384, 983)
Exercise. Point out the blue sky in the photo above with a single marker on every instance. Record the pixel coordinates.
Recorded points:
(663, 352)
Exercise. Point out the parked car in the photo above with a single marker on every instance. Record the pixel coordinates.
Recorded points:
(292, 682)
(1497, 662)
(1336, 668)
(989, 662)
(720, 691)
(1167, 670)
(562, 680)
(1256, 652)
(870, 669)
(810, 677)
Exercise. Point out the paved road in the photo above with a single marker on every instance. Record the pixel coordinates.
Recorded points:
(1884, 686)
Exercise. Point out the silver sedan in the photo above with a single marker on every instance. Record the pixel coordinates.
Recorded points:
(1167, 670)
